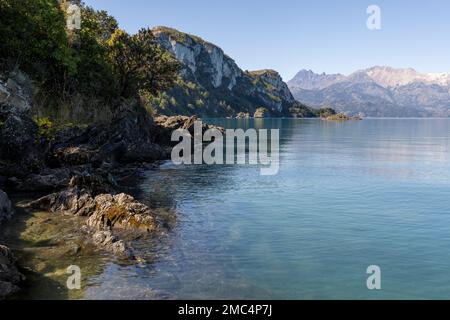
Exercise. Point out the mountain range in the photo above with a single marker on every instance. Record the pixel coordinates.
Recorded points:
(376, 92)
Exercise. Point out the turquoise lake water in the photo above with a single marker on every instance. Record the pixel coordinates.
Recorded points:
(348, 195)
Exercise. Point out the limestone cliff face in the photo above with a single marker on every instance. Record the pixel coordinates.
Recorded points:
(205, 61)
(212, 84)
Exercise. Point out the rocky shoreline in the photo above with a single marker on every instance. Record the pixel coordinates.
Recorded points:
(83, 172)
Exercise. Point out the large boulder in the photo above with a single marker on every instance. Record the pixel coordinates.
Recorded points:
(10, 277)
(6, 209)
(109, 242)
(130, 138)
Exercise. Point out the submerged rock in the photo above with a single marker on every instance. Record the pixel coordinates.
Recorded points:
(106, 240)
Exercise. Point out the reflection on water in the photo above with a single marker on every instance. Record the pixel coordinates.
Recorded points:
(348, 195)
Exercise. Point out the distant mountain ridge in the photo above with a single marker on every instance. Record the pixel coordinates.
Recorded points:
(380, 91)
(212, 84)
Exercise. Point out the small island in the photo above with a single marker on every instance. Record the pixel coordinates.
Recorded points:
(341, 117)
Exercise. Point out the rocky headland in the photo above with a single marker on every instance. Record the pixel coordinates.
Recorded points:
(80, 171)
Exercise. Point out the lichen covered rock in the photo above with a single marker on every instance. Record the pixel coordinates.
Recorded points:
(121, 212)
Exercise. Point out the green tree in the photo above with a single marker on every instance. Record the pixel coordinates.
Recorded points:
(95, 75)
(33, 38)
(140, 63)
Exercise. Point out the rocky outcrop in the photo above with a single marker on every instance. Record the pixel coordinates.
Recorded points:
(21, 147)
(10, 277)
(31, 163)
(105, 212)
(261, 113)
(129, 138)
(78, 166)
(121, 212)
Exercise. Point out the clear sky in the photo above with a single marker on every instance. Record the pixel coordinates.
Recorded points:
(289, 35)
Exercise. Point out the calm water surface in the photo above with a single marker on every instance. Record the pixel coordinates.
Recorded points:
(348, 195)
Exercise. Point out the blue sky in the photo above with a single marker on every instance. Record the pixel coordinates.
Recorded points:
(289, 35)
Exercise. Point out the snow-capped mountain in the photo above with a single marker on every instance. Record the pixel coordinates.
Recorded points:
(378, 91)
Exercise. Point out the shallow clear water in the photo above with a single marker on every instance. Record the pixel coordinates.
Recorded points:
(348, 195)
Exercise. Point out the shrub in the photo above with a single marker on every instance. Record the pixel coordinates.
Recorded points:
(47, 129)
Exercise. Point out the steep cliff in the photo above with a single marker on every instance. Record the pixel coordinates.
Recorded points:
(212, 84)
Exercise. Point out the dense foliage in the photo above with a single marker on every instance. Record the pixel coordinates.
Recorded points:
(99, 60)
(33, 37)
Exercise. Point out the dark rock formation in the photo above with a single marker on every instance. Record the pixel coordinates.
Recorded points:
(77, 199)
(129, 138)
(106, 240)
(10, 277)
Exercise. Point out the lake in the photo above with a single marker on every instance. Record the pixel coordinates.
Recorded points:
(348, 195)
